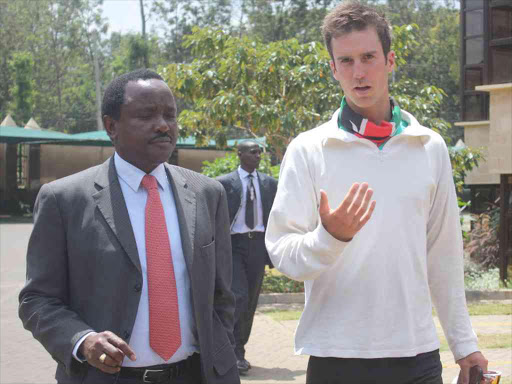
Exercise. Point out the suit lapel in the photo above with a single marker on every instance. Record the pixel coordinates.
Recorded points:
(185, 201)
(110, 202)
(262, 180)
(235, 197)
(237, 185)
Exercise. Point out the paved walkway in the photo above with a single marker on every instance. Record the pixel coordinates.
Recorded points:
(270, 350)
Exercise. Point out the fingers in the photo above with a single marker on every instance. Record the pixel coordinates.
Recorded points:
(357, 204)
(107, 364)
(368, 213)
(351, 215)
(324, 208)
(124, 348)
(463, 375)
(349, 198)
(106, 351)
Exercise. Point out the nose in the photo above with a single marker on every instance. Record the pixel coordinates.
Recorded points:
(359, 70)
(162, 125)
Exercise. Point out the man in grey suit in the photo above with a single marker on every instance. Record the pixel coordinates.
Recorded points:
(250, 196)
(129, 262)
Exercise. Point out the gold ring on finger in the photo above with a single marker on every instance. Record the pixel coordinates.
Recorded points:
(102, 358)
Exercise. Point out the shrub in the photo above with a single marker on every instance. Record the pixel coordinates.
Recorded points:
(278, 283)
(482, 243)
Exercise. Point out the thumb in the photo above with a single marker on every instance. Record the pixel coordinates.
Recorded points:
(324, 208)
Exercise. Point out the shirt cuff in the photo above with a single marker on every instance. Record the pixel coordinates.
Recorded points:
(77, 345)
(326, 244)
(463, 350)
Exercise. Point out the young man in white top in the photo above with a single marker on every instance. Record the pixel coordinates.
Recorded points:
(372, 268)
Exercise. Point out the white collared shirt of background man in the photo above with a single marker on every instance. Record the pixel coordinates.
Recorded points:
(239, 225)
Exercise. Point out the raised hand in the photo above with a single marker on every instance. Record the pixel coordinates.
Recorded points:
(105, 351)
(351, 215)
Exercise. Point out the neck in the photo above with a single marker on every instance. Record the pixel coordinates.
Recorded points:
(246, 168)
(376, 113)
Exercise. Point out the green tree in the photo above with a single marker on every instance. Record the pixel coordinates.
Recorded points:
(21, 105)
(178, 17)
(285, 19)
(276, 90)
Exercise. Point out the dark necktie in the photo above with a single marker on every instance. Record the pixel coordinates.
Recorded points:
(250, 204)
(164, 319)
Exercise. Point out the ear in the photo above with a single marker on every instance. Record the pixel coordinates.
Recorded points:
(110, 126)
(333, 67)
(391, 61)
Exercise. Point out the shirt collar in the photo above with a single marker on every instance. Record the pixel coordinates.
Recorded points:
(132, 175)
(243, 173)
(413, 129)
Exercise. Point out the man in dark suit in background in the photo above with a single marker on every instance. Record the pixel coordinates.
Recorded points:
(250, 196)
(129, 262)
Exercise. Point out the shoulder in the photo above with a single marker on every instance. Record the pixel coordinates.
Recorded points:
(307, 147)
(267, 178)
(228, 177)
(428, 134)
(78, 181)
(196, 181)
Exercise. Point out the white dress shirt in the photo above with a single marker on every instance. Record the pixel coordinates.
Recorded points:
(239, 225)
(135, 197)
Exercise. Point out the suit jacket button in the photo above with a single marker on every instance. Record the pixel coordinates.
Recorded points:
(137, 287)
(126, 334)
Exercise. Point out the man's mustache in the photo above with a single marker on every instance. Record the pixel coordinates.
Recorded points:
(161, 136)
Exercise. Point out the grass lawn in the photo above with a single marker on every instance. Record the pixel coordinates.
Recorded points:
(485, 341)
(476, 309)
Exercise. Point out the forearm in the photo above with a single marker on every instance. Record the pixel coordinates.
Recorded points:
(44, 308)
(297, 242)
(446, 266)
(300, 255)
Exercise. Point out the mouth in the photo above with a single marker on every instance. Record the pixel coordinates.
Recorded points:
(362, 90)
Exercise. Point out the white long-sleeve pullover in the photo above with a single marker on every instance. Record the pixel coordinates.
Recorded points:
(372, 297)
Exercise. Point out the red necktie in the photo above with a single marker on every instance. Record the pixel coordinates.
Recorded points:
(164, 319)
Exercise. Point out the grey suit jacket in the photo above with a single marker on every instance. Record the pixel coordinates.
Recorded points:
(84, 273)
(233, 186)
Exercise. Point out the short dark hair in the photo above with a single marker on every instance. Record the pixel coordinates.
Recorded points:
(113, 97)
(353, 16)
(244, 145)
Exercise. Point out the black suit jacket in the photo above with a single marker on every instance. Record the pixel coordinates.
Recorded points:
(233, 186)
(84, 273)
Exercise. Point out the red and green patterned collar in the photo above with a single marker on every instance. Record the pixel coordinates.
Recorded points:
(353, 122)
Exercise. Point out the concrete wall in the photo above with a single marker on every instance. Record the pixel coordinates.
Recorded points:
(500, 136)
(193, 158)
(53, 162)
(63, 160)
(476, 135)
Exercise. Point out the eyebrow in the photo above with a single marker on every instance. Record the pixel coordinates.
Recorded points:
(364, 53)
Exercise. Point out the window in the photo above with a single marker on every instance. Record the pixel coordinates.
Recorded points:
(501, 64)
(501, 23)
(473, 27)
(486, 30)
(500, 44)
(472, 78)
